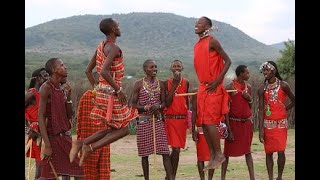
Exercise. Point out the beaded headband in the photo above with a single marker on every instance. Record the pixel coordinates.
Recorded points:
(266, 65)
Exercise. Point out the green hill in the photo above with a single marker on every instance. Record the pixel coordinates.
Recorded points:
(162, 36)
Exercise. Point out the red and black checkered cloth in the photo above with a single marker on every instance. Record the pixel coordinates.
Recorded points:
(97, 166)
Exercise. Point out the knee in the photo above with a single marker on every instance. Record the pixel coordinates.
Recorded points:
(125, 130)
(281, 154)
(176, 149)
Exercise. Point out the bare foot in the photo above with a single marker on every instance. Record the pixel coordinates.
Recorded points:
(218, 160)
(86, 151)
(75, 148)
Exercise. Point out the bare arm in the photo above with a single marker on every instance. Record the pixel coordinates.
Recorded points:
(194, 117)
(260, 114)
(28, 99)
(286, 88)
(135, 95)
(247, 96)
(229, 87)
(215, 45)
(187, 98)
(69, 109)
(90, 67)
(112, 52)
(251, 101)
(105, 71)
(162, 96)
(171, 92)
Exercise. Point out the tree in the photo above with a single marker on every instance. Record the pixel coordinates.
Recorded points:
(286, 63)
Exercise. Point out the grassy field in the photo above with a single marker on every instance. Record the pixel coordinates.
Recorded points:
(125, 163)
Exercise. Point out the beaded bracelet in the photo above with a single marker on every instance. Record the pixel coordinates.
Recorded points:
(119, 90)
(90, 147)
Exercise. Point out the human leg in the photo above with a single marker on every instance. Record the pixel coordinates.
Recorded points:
(224, 168)
(269, 162)
(77, 144)
(38, 170)
(145, 167)
(65, 177)
(281, 162)
(174, 157)
(109, 138)
(78, 178)
(210, 174)
(249, 162)
(213, 139)
(168, 166)
(200, 165)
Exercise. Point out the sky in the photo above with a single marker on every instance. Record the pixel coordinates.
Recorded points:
(267, 21)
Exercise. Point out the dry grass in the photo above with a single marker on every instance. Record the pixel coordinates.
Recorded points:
(125, 163)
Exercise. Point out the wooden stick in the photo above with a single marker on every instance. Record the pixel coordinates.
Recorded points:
(231, 90)
(54, 171)
(33, 166)
(194, 93)
(28, 145)
(28, 176)
(187, 94)
(155, 148)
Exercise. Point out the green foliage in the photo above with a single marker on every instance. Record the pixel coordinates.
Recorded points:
(286, 63)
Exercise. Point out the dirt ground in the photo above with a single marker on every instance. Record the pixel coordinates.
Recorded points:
(188, 156)
(125, 163)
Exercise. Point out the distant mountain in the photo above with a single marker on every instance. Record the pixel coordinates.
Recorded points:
(163, 36)
(279, 46)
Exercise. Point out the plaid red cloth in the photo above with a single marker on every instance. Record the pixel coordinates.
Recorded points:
(145, 137)
(97, 166)
(31, 115)
(121, 115)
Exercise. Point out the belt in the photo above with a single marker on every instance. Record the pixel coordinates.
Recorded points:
(270, 124)
(66, 133)
(175, 116)
(144, 118)
(240, 119)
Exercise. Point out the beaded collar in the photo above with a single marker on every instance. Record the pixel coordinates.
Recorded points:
(151, 91)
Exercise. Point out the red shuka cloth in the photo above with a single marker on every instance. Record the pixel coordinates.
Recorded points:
(176, 129)
(242, 131)
(275, 138)
(208, 65)
(58, 122)
(203, 152)
(31, 115)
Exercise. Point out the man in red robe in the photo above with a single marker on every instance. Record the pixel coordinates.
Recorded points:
(110, 98)
(239, 121)
(211, 63)
(97, 166)
(55, 112)
(32, 99)
(203, 152)
(175, 113)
